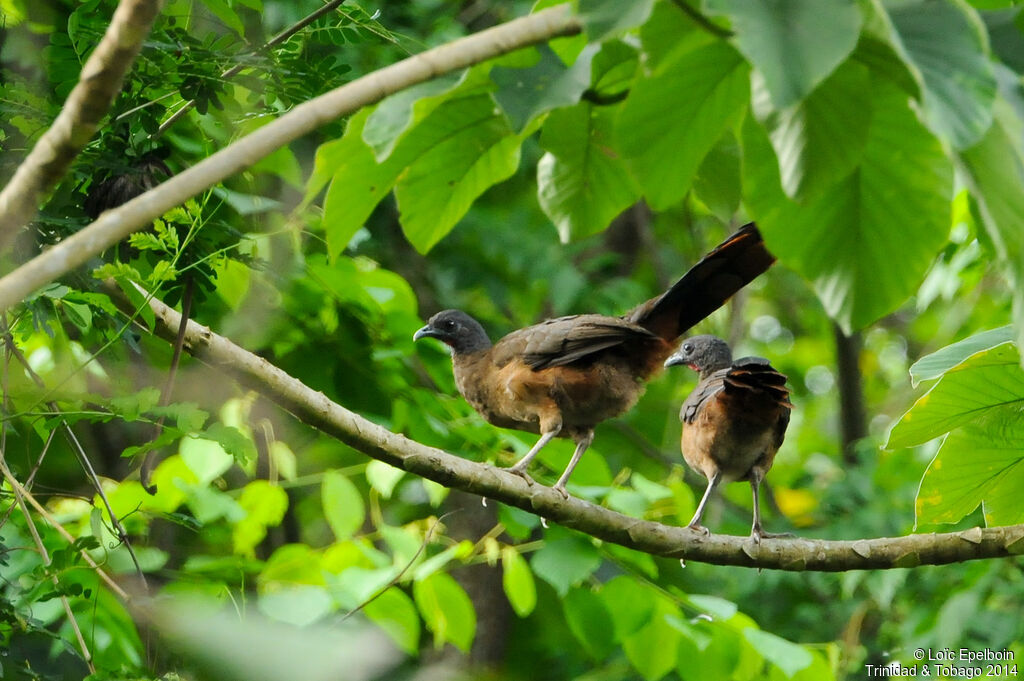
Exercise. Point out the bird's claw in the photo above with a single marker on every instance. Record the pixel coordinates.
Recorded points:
(697, 527)
(521, 473)
(757, 534)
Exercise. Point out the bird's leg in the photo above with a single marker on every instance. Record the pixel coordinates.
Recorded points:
(699, 513)
(756, 533)
(581, 446)
(519, 468)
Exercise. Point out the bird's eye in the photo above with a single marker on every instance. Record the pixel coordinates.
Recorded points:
(687, 347)
(448, 325)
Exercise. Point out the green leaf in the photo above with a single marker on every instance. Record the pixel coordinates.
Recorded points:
(988, 380)
(235, 442)
(358, 183)
(446, 610)
(565, 562)
(944, 44)
(206, 458)
(394, 612)
(717, 183)
(867, 242)
(939, 362)
(131, 407)
(458, 551)
(789, 657)
(982, 462)
(604, 18)
(526, 93)
(795, 44)
(821, 138)
(632, 603)
(994, 170)
(264, 505)
(685, 105)
(383, 477)
(581, 184)
(469, 148)
(590, 622)
(390, 119)
(652, 650)
(343, 505)
(517, 580)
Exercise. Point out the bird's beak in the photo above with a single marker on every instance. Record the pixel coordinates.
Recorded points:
(426, 332)
(674, 360)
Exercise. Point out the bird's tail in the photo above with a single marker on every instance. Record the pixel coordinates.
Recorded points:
(732, 264)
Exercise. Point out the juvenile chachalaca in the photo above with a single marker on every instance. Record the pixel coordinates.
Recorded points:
(734, 421)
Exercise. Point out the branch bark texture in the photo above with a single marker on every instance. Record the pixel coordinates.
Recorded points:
(315, 409)
(88, 103)
(114, 225)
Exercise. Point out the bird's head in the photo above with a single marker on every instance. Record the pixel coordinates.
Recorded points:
(458, 330)
(704, 354)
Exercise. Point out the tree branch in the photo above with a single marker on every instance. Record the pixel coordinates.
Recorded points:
(315, 409)
(114, 225)
(98, 85)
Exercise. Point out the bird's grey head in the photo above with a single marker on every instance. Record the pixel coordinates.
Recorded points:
(458, 330)
(702, 353)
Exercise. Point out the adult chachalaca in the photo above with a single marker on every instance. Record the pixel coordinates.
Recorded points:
(734, 421)
(562, 377)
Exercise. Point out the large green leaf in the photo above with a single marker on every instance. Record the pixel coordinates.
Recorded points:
(446, 610)
(604, 18)
(395, 115)
(994, 170)
(944, 43)
(982, 462)
(868, 241)
(675, 115)
(526, 93)
(795, 44)
(939, 362)
(581, 183)
(787, 656)
(467, 147)
(987, 381)
(819, 139)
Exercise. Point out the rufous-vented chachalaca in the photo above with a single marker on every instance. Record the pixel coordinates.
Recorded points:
(734, 421)
(562, 377)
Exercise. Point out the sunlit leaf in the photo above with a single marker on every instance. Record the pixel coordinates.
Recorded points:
(939, 362)
(988, 380)
(565, 561)
(343, 504)
(517, 580)
(446, 610)
(789, 657)
(394, 612)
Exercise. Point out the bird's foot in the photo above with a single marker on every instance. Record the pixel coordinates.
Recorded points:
(560, 488)
(757, 534)
(521, 472)
(697, 527)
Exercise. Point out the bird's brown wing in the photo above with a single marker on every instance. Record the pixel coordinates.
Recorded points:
(751, 380)
(567, 340)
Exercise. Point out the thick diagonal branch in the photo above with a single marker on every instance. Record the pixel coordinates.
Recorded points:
(114, 225)
(315, 409)
(88, 103)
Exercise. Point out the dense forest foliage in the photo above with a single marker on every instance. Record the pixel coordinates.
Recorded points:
(879, 146)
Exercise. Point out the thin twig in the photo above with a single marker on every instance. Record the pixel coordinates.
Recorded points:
(397, 578)
(79, 450)
(703, 21)
(237, 68)
(44, 554)
(48, 517)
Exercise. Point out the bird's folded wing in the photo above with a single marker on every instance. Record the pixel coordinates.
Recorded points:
(565, 340)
